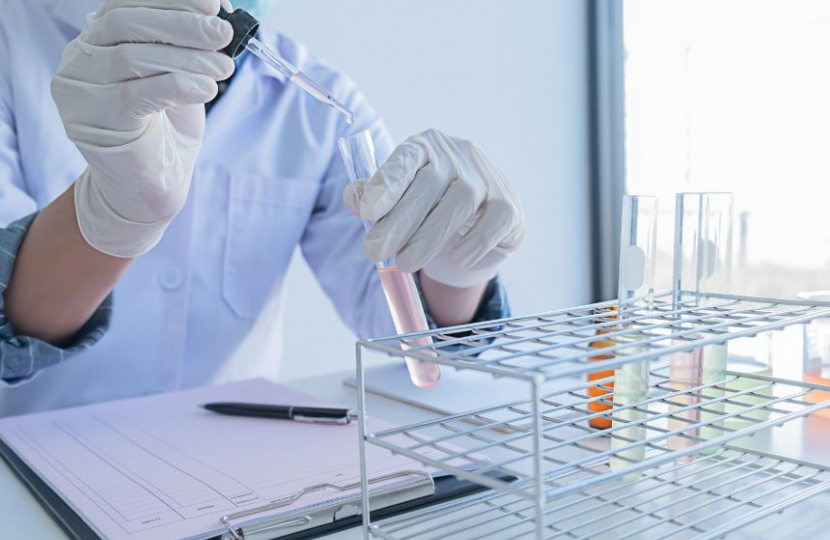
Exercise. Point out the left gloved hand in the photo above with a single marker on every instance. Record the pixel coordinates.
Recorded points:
(441, 206)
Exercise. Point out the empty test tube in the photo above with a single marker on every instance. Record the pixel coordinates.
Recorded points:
(636, 297)
(402, 296)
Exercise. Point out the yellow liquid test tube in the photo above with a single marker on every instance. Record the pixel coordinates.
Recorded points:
(636, 297)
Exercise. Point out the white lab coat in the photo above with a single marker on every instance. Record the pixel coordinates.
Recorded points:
(269, 179)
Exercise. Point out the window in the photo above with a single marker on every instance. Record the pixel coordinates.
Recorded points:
(735, 96)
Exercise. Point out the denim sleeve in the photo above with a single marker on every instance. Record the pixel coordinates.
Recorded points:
(493, 304)
(22, 357)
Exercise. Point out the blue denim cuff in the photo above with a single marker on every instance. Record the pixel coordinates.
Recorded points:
(22, 357)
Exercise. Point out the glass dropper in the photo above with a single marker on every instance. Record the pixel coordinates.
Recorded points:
(245, 27)
(296, 76)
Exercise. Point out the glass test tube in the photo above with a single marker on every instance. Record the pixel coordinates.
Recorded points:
(702, 264)
(714, 275)
(750, 356)
(816, 360)
(636, 298)
(402, 296)
(746, 355)
(605, 387)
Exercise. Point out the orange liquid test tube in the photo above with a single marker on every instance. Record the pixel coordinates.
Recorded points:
(601, 422)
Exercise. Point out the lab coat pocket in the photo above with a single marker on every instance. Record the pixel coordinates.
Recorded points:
(266, 219)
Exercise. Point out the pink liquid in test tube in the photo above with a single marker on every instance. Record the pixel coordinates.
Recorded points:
(685, 372)
(408, 315)
(399, 287)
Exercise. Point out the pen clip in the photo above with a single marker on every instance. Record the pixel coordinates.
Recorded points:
(323, 420)
(312, 420)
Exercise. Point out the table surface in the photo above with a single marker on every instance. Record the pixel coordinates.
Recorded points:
(23, 517)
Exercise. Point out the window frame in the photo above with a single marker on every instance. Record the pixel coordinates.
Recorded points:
(606, 148)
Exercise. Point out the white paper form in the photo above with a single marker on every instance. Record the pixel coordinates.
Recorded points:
(163, 468)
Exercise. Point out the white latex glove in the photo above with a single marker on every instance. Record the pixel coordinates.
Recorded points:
(440, 206)
(131, 91)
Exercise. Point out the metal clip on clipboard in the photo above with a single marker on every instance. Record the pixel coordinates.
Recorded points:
(267, 528)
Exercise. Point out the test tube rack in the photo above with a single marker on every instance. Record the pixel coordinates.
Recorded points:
(564, 484)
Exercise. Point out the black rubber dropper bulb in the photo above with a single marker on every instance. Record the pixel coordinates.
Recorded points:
(245, 26)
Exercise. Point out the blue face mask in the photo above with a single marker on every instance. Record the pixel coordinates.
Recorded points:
(257, 8)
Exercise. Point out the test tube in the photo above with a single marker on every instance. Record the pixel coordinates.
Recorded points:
(402, 296)
(702, 264)
(604, 388)
(715, 275)
(636, 298)
(816, 352)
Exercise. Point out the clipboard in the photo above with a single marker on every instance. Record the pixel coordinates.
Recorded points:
(138, 468)
(305, 524)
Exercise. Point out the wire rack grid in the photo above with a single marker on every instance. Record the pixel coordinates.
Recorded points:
(665, 468)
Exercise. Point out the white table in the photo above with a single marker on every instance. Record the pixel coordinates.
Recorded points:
(23, 518)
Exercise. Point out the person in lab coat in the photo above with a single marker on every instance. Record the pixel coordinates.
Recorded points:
(143, 234)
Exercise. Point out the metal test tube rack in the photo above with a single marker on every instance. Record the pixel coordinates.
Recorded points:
(565, 487)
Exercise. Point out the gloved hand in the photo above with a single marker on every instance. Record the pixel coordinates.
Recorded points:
(440, 206)
(130, 91)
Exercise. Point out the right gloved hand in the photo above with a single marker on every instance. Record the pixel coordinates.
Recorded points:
(130, 91)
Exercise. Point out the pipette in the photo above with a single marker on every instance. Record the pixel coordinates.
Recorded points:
(245, 27)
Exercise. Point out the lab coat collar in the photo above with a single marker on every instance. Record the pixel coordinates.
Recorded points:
(261, 68)
(74, 12)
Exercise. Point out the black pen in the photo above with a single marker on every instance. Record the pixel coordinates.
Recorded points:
(322, 415)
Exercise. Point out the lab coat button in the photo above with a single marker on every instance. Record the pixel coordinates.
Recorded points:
(171, 279)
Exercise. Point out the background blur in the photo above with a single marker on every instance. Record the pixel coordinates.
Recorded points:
(509, 75)
(735, 96)
(578, 100)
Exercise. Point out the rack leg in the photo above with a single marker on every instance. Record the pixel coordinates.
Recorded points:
(361, 411)
(538, 471)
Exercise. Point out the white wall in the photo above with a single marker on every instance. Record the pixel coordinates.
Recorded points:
(509, 74)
